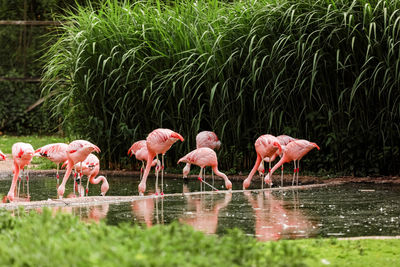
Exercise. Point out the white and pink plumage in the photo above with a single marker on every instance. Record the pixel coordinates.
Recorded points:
(266, 146)
(22, 155)
(56, 153)
(203, 139)
(139, 149)
(294, 151)
(207, 139)
(203, 157)
(2, 156)
(159, 141)
(91, 168)
(283, 141)
(77, 151)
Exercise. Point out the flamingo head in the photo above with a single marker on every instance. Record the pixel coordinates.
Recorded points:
(177, 136)
(218, 145)
(10, 196)
(60, 191)
(228, 185)
(142, 188)
(104, 186)
(246, 183)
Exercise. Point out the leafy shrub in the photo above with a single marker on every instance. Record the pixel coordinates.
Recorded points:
(326, 71)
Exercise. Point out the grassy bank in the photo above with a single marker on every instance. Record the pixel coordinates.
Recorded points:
(50, 240)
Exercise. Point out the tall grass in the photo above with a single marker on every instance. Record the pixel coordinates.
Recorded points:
(327, 71)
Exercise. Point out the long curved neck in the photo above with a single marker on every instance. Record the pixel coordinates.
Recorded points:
(277, 165)
(97, 180)
(220, 174)
(253, 171)
(150, 158)
(15, 178)
(67, 172)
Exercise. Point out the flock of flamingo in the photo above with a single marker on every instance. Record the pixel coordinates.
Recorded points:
(78, 156)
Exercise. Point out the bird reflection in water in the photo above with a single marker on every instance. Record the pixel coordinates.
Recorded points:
(203, 213)
(273, 221)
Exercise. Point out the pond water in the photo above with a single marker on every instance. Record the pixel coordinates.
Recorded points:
(339, 211)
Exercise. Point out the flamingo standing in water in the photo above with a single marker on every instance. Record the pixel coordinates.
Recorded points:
(90, 168)
(266, 146)
(294, 151)
(56, 153)
(139, 149)
(77, 151)
(204, 139)
(22, 155)
(2, 156)
(159, 141)
(283, 141)
(203, 157)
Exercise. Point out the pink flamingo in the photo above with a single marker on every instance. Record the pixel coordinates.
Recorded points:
(139, 149)
(2, 156)
(91, 168)
(266, 146)
(283, 141)
(294, 151)
(56, 153)
(203, 139)
(22, 155)
(77, 151)
(203, 157)
(159, 141)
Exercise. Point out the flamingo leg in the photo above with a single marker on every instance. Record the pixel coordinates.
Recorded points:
(58, 176)
(298, 170)
(156, 190)
(282, 175)
(269, 173)
(80, 181)
(19, 183)
(294, 172)
(74, 180)
(162, 174)
(87, 186)
(27, 183)
(212, 176)
(201, 177)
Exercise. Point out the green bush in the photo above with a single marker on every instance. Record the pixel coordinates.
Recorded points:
(326, 71)
(32, 239)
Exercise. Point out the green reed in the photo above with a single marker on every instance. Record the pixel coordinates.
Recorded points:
(327, 71)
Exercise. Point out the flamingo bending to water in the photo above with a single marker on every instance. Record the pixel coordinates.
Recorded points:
(159, 141)
(266, 146)
(294, 151)
(283, 141)
(203, 157)
(22, 155)
(139, 149)
(203, 139)
(56, 153)
(91, 168)
(77, 151)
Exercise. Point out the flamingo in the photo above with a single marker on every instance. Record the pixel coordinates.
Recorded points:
(90, 168)
(294, 151)
(266, 146)
(203, 157)
(56, 153)
(2, 156)
(283, 141)
(139, 149)
(204, 139)
(159, 141)
(77, 151)
(22, 155)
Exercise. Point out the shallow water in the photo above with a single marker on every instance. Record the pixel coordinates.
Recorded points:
(341, 211)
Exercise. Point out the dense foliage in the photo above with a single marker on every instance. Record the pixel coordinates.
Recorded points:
(326, 71)
(21, 46)
(32, 239)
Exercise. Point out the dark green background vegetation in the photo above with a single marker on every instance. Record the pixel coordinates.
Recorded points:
(326, 71)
